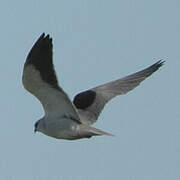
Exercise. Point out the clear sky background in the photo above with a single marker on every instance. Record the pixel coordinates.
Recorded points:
(95, 41)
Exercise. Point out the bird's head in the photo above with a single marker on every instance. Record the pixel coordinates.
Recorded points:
(36, 126)
(40, 126)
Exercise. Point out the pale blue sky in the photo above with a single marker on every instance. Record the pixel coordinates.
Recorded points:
(95, 41)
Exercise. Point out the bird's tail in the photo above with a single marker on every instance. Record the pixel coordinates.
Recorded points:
(88, 131)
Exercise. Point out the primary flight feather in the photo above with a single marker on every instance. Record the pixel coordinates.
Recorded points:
(63, 118)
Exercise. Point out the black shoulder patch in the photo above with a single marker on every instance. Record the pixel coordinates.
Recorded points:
(40, 57)
(85, 99)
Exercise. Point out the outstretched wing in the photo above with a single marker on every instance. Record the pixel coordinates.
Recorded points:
(90, 103)
(39, 78)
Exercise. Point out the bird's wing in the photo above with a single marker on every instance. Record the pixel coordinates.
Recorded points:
(90, 103)
(39, 78)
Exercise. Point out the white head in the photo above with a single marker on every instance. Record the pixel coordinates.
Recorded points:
(39, 126)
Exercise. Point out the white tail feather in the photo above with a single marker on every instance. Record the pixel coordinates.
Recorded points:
(89, 131)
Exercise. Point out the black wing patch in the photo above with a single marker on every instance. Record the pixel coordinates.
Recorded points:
(84, 100)
(40, 57)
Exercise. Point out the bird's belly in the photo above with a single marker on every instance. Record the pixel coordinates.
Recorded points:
(62, 129)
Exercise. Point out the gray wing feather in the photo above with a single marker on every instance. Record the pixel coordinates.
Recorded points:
(39, 78)
(106, 92)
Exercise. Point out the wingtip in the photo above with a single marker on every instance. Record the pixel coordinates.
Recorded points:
(42, 47)
(44, 36)
(160, 62)
(156, 66)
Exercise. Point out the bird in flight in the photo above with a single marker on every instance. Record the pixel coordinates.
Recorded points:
(66, 119)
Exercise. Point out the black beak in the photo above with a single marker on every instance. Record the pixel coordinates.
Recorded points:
(35, 127)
